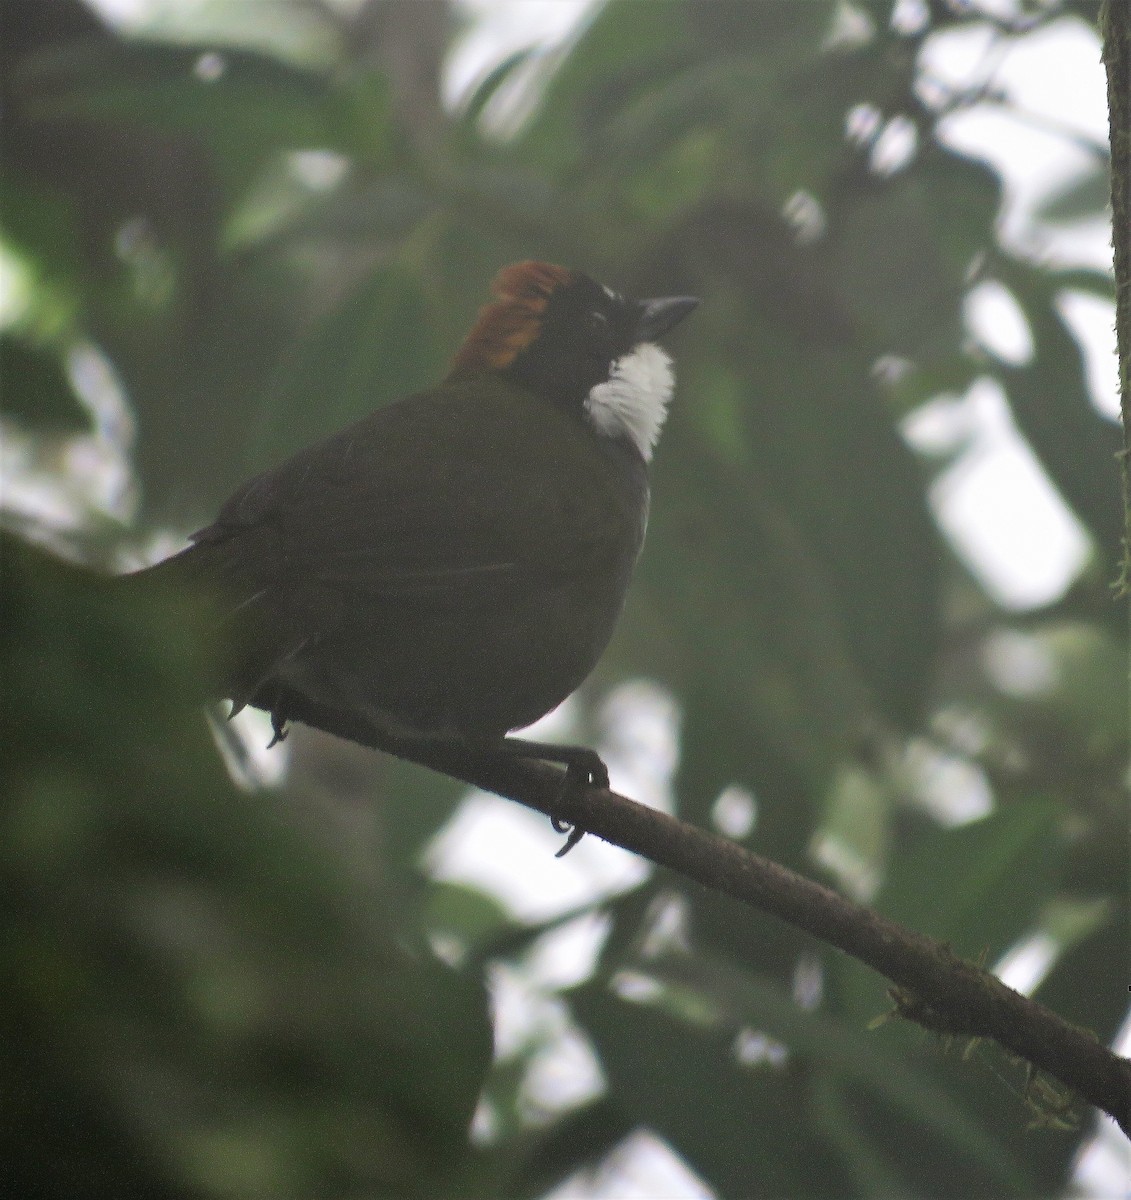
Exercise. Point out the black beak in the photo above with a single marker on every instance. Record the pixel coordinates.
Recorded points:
(658, 316)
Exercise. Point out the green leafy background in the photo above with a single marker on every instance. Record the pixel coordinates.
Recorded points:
(263, 231)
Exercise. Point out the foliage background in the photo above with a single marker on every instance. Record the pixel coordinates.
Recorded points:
(226, 247)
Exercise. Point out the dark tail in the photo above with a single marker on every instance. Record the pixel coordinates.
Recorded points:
(226, 579)
(211, 572)
(199, 582)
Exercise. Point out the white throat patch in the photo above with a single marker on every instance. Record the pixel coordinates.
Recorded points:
(634, 399)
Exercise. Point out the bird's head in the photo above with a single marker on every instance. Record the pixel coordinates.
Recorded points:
(583, 346)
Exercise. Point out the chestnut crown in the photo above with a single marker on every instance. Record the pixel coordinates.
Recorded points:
(580, 344)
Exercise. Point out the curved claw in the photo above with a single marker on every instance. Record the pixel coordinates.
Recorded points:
(576, 833)
(279, 728)
(584, 768)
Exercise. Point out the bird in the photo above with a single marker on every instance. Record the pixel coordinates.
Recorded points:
(449, 568)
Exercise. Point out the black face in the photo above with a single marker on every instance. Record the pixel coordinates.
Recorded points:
(584, 331)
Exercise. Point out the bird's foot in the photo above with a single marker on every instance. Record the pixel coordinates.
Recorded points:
(278, 727)
(585, 770)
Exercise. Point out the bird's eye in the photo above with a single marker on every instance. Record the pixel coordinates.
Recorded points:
(597, 320)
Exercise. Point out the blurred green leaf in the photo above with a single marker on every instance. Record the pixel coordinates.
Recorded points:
(1084, 695)
(616, 56)
(903, 248)
(578, 1142)
(1087, 196)
(489, 86)
(837, 465)
(718, 631)
(1084, 279)
(1052, 406)
(991, 879)
(854, 839)
(997, 871)
(376, 347)
(232, 996)
(649, 1050)
(656, 1063)
(42, 229)
(34, 387)
(195, 91)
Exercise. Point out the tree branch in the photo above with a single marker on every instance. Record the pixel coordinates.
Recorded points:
(1116, 31)
(933, 986)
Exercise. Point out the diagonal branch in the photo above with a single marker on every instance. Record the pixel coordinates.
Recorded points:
(934, 987)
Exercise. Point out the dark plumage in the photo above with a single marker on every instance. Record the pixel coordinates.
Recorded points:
(451, 566)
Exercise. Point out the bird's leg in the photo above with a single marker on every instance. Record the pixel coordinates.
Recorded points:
(583, 768)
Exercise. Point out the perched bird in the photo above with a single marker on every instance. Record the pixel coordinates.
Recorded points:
(450, 567)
